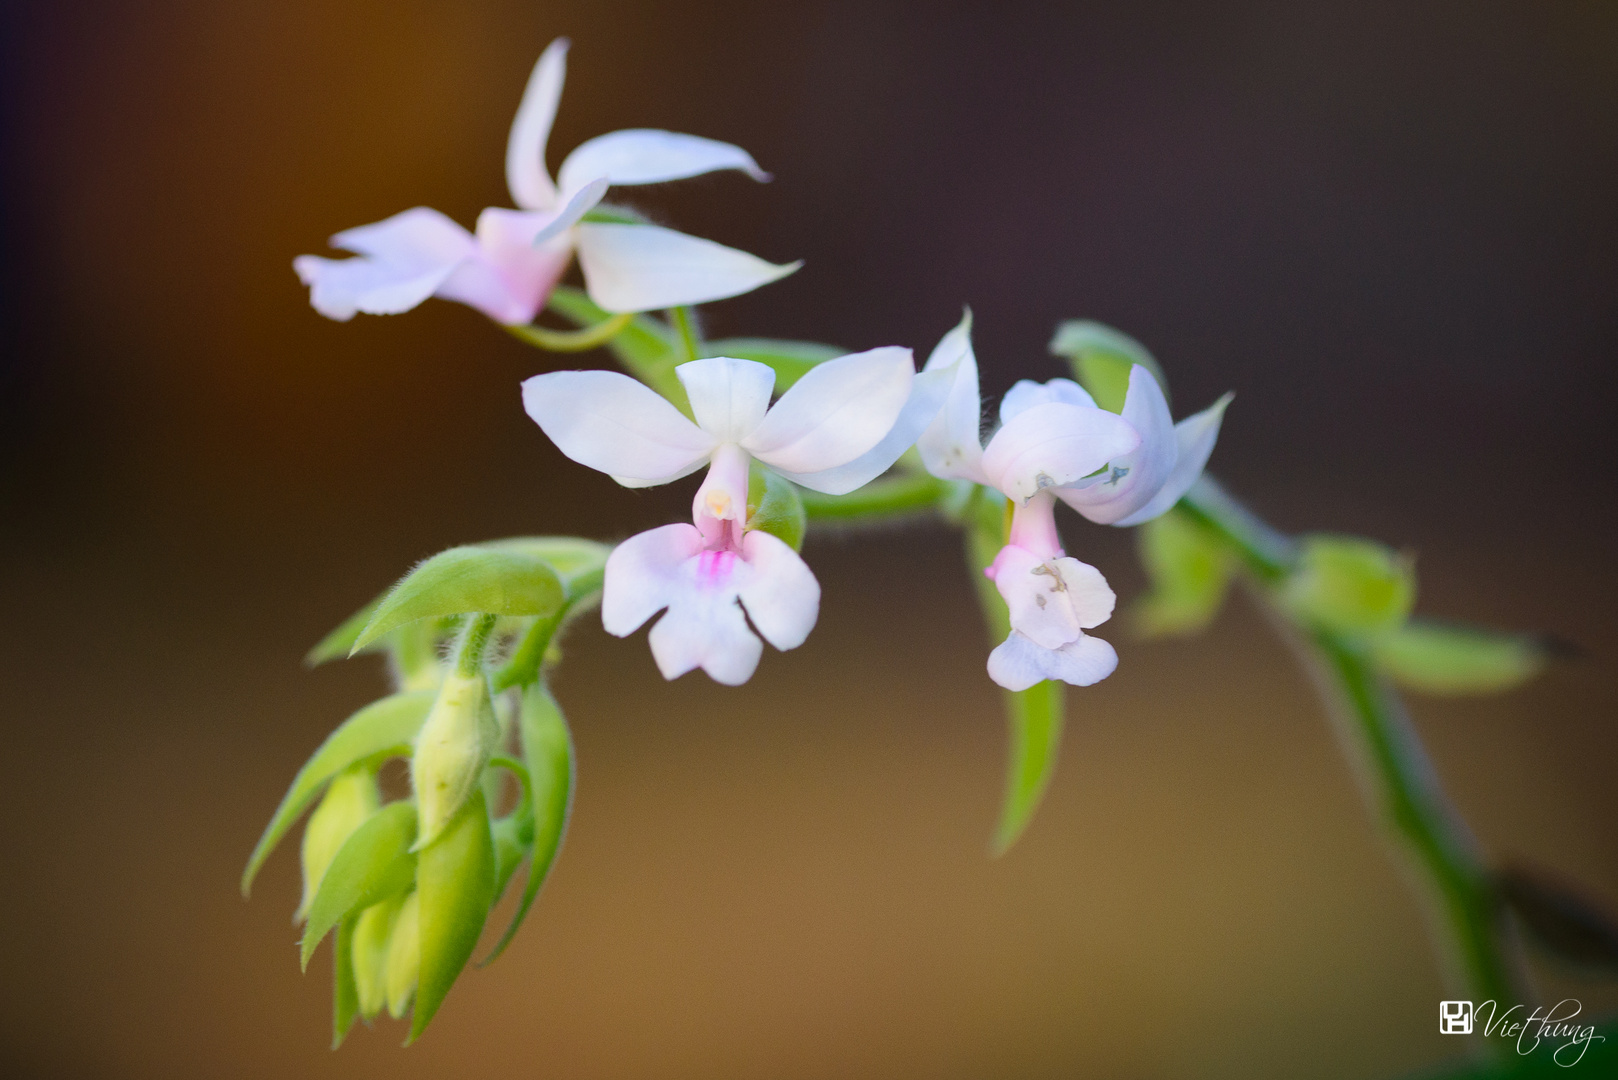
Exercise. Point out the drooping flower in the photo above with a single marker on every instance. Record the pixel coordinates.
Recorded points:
(841, 425)
(508, 268)
(1054, 442)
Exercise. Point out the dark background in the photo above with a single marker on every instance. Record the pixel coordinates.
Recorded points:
(1390, 228)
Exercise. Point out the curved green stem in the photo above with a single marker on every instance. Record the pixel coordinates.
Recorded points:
(573, 340)
(690, 340)
(878, 499)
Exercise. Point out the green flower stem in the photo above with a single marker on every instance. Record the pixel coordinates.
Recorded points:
(906, 494)
(473, 643)
(690, 340)
(573, 340)
(529, 656)
(1397, 778)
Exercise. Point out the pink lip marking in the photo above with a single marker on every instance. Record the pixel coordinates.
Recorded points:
(713, 567)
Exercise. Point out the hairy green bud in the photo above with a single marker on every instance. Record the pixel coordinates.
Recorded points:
(351, 797)
(456, 742)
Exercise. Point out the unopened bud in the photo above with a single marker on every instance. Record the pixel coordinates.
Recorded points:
(404, 957)
(455, 744)
(351, 798)
(1350, 585)
(373, 935)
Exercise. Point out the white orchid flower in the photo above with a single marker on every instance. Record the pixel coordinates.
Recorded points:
(841, 425)
(1054, 442)
(508, 268)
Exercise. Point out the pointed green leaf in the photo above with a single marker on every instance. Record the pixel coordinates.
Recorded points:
(578, 563)
(791, 360)
(774, 506)
(496, 581)
(373, 931)
(1101, 358)
(1447, 659)
(345, 1001)
(1035, 721)
(1350, 585)
(340, 642)
(373, 865)
(1189, 572)
(386, 727)
(548, 751)
(455, 880)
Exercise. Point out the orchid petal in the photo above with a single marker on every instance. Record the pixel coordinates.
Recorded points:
(839, 410)
(642, 576)
(1054, 444)
(404, 259)
(1195, 436)
(705, 628)
(952, 446)
(647, 267)
(1136, 478)
(612, 423)
(729, 397)
(649, 156)
(1052, 600)
(530, 184)
(1017, 663)
(579, 204)
(780, 593)
(507, 278)
(1026, 393)
(927, 394)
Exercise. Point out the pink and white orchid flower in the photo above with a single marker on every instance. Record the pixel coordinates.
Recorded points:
(841, 425)
(1054, 442)
(509, 267)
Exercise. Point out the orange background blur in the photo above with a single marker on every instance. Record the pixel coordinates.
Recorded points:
(1392, 232)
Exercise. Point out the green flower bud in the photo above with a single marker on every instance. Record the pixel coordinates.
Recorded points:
(1350, 585)
(373, 935)
(460, 735)
(1101, 359)
(404, 957)
(351, 797)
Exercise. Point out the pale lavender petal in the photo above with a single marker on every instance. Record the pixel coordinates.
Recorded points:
(706, 629)
(729, 397)
(612, 423)
(403, 260)
(1054, 444)
(1052, 601)
(1136, 478)
(642, 576)
(647, 267)
(530, 184)
(927, 394)
(650, 156)
(1017, 663)
(780, 593)
(952, 446)
(1026, 393)
(835, 412)
(1195, 435)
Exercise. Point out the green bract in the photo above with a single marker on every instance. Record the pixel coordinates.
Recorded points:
(1439, 658)
(375, 864)
(455, 885)
(1101, 358)
(1348, 585)
(496, 580)
(774, 506)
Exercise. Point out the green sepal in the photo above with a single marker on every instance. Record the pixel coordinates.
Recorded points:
(373, 931)
(382, 729)
(1452, 660)
(1034, 720)
(647, 348)
(340, 642)
(774, 506)
(1350, 585)
(493, 580)
(374, 864)
(791, 360)
(1101, 357)
(455, 881)
(1189, 571)
(547, 748)
(345, 998)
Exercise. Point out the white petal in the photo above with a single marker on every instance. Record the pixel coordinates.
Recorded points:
(780, 593)
(578, 204)
(728, 397)
(1195, 435)
(836, 412)
(706, 630)
(952, 446)
(648, 267)
(530, 184)
(404, 259)
(642, 576)
(649, 156)
(1017, 663)
(927, 394)
(612, 423)
(1026, 393)
(1052, 601)
(507, 278)
(1135, 478)
(1054, 444)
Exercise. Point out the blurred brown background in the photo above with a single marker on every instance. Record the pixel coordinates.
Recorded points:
(1391, 229)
